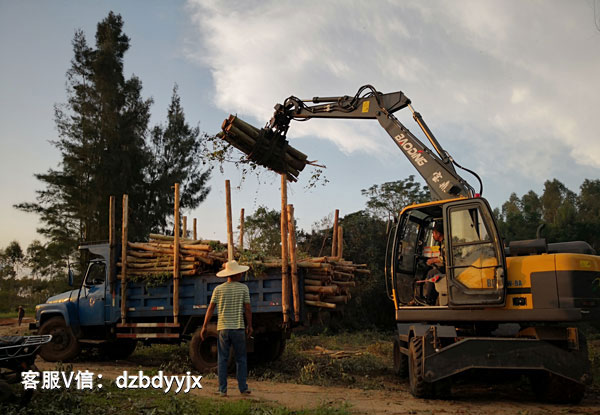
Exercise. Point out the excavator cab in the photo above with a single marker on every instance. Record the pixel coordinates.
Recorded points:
(475, 268)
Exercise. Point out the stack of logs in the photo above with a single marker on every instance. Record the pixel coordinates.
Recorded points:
(327, 280)
(264, 147)
(155, 257)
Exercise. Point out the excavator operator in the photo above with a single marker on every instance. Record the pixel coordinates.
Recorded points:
(438, 266)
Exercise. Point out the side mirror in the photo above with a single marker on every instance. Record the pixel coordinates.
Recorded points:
(70, 276)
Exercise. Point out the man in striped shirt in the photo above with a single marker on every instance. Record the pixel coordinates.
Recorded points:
(232, 301)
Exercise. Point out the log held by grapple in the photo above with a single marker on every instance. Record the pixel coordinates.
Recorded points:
(264, 146)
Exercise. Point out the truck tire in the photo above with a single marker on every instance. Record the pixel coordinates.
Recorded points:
(64, 346)
(120, 349)
(419, 388)
(400, 360)
(280, 349)
(204, 353)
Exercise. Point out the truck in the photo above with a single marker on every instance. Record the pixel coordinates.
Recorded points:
(90, 315)
(497, 308)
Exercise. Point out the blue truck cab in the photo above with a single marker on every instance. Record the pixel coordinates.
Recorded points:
(90, 316)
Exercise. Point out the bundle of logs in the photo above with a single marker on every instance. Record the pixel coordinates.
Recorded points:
(264, 147)
(155, 257)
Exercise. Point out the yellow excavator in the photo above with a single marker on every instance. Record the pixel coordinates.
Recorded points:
(493, 307)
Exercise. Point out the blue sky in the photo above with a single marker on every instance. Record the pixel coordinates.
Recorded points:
(509, 88)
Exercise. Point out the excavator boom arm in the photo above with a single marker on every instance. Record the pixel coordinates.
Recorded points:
(436, 168)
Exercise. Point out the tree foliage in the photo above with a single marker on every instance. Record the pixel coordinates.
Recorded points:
(262, 231)
(567, 216)
(103, 138)
(387, 199)
(22, 281)
(177, 158)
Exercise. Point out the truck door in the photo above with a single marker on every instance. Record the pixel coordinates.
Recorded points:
(92, 295)
(476, 268)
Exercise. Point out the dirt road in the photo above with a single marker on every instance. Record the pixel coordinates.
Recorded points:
(393, 399)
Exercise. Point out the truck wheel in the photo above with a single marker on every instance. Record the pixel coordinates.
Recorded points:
(269, 347)
(280, 349)
(63, 346)
(120, 349)
(400, 361)
(548, 387)
(204, 353)
(418, 386)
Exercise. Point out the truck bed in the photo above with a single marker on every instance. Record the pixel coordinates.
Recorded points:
(146, 300)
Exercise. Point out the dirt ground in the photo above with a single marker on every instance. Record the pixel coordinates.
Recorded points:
(9, 326)
(394, 398)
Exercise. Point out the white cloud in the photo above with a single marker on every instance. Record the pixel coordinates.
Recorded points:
(524, 73)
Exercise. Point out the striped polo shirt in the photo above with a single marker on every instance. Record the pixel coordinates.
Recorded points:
(230, 298)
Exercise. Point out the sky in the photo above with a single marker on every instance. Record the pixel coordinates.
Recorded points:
(509, 88)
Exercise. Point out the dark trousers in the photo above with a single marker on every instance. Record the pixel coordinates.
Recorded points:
(237, 340)
(429, 292)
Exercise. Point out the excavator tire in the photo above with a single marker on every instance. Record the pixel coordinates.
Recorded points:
(419, 388)
(400, 361)
(548, 387)
(551, 388)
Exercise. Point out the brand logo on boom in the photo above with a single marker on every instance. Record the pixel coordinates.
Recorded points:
(410, 149)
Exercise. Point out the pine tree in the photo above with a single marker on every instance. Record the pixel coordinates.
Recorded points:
(102, 137)
(176, 157)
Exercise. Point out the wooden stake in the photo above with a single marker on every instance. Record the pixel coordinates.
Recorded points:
(195, 235)
(112, 243)
(242, 229)
(334, 243)
(176, 269)
(285, 295)
(184, 227)
(295, 283)
(125, 226)
(229, 224)
(340, 242)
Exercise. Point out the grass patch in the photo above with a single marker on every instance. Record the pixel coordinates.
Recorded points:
(170, 358)
(299, 364)
(9, 314)
(111, 400)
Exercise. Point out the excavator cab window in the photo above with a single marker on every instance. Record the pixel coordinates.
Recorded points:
(475, 269)
(474, 263)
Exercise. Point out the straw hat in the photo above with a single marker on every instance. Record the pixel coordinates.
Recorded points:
(232, 268)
